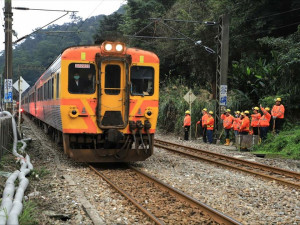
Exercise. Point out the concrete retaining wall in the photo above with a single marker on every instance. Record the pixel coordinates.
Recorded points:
(5, 135)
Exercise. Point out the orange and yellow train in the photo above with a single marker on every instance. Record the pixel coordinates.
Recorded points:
(100, 101)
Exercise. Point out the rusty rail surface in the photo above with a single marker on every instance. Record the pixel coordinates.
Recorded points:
(214, 214)
(282, 176)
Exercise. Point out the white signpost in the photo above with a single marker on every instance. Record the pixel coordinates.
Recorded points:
(20, 85)
(190, 98)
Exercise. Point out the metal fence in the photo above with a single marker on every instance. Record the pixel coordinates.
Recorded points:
(5, 134)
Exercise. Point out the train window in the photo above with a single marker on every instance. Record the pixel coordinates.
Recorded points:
(82, 78)
(39, 94)
(52, 88)
(57, 85)
(48, 89)
(142, 78)
(112, 79)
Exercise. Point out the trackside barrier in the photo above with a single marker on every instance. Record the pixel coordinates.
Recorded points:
(11, 205)
(6, 134)
(246, 141)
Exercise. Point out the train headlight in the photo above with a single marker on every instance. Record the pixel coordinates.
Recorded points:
(148, 113)
(108, 47)
(119, 47)
(113, 47)
(73, 112)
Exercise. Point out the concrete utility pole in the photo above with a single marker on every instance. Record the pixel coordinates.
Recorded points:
(8, 46)
(222, 68)
(1, 92)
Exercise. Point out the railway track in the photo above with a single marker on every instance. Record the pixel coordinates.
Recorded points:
(160, 202)
(282, 176)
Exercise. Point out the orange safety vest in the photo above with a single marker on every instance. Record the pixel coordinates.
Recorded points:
(210, 123)
(278, 111)
(264, 121)
(227, 121)
(255, 119)
(204, 119)
(187, 120)
(245, 124)
(236, 123)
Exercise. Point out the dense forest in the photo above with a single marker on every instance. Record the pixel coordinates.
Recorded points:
(264, 52)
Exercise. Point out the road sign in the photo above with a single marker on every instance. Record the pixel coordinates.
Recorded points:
(223, 95)
(23, 85)
(190, 97)
(8, 90)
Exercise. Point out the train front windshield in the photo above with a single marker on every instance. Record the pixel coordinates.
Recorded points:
(82, 78)
(142, 78)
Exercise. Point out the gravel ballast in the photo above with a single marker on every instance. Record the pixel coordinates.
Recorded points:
(246, 198)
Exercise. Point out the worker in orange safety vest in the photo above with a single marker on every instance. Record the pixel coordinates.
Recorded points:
(254, 121)
(187, 124)
(278, 115)
(210, 121)
(245, 123)
(264, 122)
(203, 123)
(227, 124)
(236, 123)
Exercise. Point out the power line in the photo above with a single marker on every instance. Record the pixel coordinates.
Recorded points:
(210, 23)
(90, 14)
(263, 31)
(51, 10)
(20, 39)
(276, 14)
(152, 37)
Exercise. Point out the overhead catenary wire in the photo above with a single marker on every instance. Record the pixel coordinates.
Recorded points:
(264, 31)
(275, 14)
(160, 20)
(39, 28)
(90, 14)
(82, 22)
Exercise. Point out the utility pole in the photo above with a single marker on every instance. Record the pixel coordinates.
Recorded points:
(1, 92)
(8, 47)
(222, 67)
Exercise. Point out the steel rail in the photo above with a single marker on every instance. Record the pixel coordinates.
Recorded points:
(132, 200)
(213, 213)
(281, 172)
(258, 165)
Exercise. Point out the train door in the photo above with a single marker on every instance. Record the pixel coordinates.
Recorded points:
(113, 94)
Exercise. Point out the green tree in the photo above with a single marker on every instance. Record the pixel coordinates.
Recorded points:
(108, 28)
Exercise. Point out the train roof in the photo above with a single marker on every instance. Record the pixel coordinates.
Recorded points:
(75, 53)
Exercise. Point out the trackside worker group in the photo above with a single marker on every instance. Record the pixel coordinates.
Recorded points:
(240, 123)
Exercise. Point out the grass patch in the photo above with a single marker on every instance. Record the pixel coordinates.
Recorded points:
(40, 173)
(29, 214)
(284, 145)
(8, 161)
